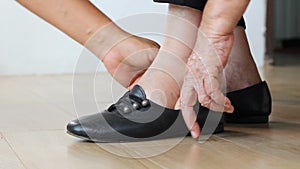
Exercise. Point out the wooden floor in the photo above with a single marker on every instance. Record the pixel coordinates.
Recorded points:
(35, 109)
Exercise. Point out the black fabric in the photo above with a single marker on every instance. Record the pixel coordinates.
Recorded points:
(197, 4)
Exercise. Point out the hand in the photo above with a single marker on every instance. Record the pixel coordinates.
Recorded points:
(125, 56)
(129, 59)
(204, 78)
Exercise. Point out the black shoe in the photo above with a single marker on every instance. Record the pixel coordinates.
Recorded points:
(135, 118)
(251, 105)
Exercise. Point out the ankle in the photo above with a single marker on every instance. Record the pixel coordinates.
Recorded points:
(160, 88)
(241, 79)
(241, 85)
(241, 73)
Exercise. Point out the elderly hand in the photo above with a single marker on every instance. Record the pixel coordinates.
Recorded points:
(204, 78)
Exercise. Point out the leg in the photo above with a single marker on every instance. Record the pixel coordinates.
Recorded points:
(163, 80)
(82, 21)
(241, 71)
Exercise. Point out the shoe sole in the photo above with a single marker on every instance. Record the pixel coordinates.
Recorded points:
(219, 129)
(248, 119)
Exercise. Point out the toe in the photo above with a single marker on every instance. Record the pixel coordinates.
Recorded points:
(75, 128)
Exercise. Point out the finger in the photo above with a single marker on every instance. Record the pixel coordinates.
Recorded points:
(188, 100)
(214, 106)
(198, 76)
(188, 93)
(227, 107)
(218, 101)
(203, 97)
(212, 88)
(195, 130)
(218, 97)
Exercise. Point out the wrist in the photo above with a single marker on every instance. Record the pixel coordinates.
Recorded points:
(217, 28)
(105, 38)
(220, 17)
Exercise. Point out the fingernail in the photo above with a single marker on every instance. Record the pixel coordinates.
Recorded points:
(193, 133)
(231, 109)
(228, 104)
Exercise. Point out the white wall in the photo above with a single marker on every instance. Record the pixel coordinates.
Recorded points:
(256, 28)
(29, 45)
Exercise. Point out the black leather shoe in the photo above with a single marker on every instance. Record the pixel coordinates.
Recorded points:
(135, 118)
(251, 105)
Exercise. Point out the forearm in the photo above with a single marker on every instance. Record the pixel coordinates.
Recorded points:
(78, 18)
(220, 17)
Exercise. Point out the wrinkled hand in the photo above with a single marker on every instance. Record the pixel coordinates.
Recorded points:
(204, 78)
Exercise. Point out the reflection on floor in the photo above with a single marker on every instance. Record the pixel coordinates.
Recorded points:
(35, 109)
